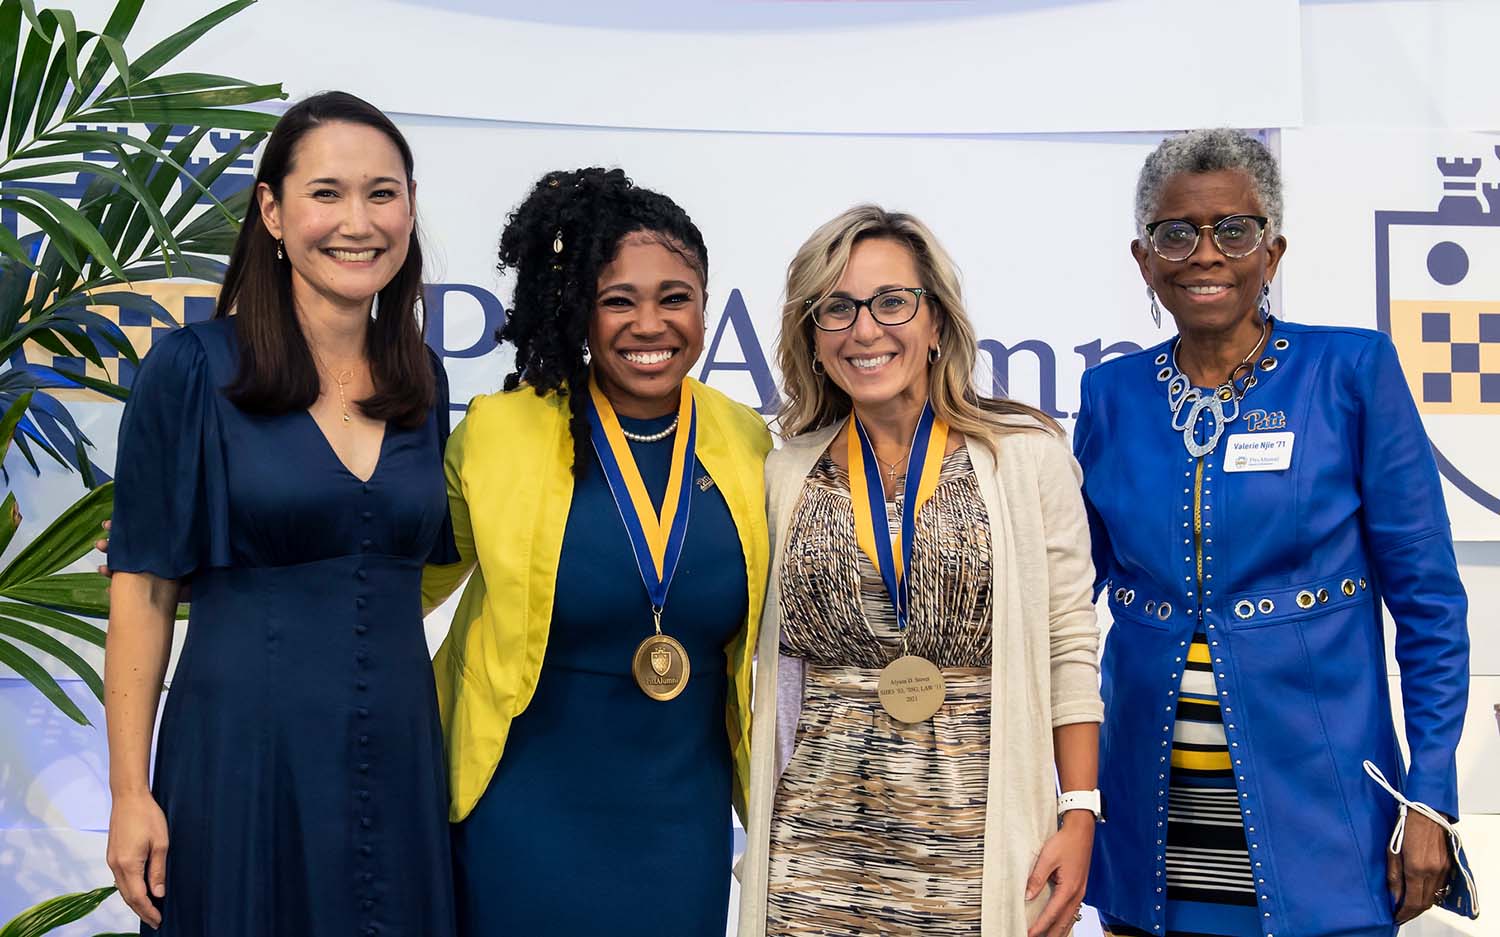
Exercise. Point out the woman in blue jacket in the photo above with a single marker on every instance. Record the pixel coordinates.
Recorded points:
(1256, 490)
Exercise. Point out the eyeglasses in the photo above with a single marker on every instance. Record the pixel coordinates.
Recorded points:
(887, 307)
(1236, 236)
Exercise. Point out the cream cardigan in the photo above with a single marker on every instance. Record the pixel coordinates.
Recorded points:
(1046, 666)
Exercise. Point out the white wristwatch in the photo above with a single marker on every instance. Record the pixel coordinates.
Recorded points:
(1080, 800)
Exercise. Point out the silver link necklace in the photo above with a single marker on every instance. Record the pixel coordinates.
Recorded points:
(1188, 403)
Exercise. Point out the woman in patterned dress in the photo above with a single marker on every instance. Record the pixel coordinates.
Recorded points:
(1258, 488)
(939, 818)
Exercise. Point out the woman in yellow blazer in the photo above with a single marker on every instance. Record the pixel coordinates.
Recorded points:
(595, 686)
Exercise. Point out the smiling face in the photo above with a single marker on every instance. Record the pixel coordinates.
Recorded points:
(1209, 292)
(346, 213)
(880, 365)
(646, 332)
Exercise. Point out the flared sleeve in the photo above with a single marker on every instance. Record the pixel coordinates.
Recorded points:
(171, 511)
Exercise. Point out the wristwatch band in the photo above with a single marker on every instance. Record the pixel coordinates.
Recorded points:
(1079, 800)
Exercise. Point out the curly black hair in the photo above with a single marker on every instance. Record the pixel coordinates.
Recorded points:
(557, 241)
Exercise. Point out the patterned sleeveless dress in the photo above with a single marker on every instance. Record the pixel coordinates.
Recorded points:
(878, 826)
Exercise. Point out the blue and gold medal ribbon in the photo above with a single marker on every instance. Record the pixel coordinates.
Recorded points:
(892, 556)
(656, 539)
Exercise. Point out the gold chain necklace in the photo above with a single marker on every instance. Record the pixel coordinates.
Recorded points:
(341, 378)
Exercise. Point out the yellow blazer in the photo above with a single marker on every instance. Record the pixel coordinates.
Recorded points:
(510, 486)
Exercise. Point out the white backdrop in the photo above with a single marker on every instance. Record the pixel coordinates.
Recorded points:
(990, 121)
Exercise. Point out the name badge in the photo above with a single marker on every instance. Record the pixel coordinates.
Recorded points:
(1259, 452)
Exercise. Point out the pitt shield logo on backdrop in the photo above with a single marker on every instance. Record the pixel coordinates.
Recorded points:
(184, 302)
(1437, 296)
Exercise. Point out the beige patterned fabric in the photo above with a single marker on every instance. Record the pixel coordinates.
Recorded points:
(1045, 670)
(879, 825)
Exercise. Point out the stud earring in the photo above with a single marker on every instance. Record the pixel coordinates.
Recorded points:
(280, 249)
(1155, 309)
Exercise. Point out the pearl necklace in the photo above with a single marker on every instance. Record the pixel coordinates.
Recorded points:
(651, 437)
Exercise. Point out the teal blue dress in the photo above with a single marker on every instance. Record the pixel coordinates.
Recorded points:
(609, 812)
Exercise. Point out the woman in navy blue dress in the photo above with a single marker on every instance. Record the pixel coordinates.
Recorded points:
(593, 778)
(285, 459)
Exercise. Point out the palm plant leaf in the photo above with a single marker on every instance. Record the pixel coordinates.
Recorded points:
(74, 593)
(74, 225)
(10, 519)
(29, 76)
(37, 675)
(43, 600)
(10, 45)
(23, 633)
(55, 912)
(115, 30)
(129, 224)
(11, 419)
(169, 48)
(55, 620)
(53, 276)
(66, 539)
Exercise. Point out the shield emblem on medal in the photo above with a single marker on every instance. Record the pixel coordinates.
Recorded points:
(1437, 294)
(661, 660)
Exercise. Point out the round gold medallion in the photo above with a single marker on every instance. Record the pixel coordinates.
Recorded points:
(911, 689)
(661, 667)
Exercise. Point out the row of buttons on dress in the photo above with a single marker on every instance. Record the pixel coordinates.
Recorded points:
(366, 888)
(1245, 609)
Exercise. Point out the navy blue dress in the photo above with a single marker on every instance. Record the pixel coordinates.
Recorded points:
(299, 760)
(610, 812)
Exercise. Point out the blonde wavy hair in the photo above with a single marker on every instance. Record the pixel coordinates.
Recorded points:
(810, 400)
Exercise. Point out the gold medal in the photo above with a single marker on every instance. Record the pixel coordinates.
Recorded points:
(911, 688)
(661, 667)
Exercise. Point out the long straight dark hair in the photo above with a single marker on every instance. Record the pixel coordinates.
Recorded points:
(277, 373)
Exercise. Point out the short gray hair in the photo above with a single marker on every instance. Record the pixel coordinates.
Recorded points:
(1209, 151)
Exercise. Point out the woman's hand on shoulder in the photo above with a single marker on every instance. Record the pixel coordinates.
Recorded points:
(1063, 861)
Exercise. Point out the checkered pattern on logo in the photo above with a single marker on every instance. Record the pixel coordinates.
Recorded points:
(185, 302)
(1450, 352)
(1463, 357)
